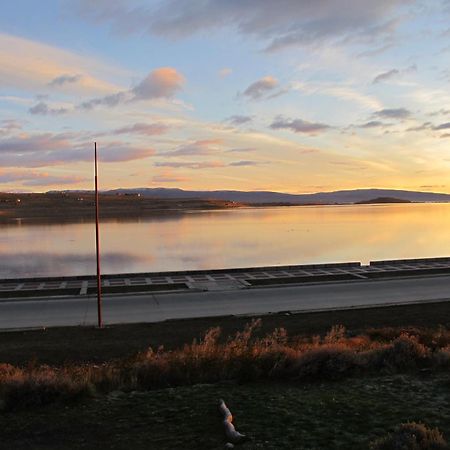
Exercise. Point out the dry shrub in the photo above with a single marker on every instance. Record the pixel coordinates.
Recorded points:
(441, 357)
(41, 386)
(411, 436)
(242, 357)
(329, 362)
(404, 353)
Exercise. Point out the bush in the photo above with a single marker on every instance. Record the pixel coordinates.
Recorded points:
(404, 353)
(411, 436)
(40, 387)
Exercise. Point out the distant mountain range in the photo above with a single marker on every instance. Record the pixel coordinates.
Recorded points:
(348, 196)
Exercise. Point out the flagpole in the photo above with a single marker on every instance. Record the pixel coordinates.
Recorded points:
(97, 247)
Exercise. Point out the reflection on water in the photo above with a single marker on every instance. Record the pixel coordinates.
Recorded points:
(229, 238)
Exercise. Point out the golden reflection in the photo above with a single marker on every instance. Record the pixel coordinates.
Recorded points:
(238, 238)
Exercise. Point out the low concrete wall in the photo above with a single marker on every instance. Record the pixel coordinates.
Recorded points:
(185, 272)
(393, 262)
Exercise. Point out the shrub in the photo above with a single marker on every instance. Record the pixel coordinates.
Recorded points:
(40, 387)
(329, 362)
(404, 353)
(411, 436)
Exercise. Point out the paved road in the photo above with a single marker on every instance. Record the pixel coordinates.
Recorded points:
(158, 307)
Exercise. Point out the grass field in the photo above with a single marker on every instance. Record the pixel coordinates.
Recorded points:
(326, 416)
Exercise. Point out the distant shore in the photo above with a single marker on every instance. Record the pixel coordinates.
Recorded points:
(81, 207)
(70, 207)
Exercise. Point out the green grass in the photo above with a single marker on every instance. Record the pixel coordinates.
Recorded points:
(341, 415)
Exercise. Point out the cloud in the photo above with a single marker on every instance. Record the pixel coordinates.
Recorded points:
(299, 125)
(64, 79)
(279, 23)
(163, 82)
(385, 76)
(393, 113)
(146, 129)
(225, 72)
(238, 120)
(43, 109)
(167, 176)
(205, 164)
(423, 126)
(245, 163)
(241, 150)
(108, 100)
(442, 111)
(261, 88)
(31, 178)
(160, 83)
(202, 147)
(8, 126)
(374, 124)
(43, 150)
(191, 165)
(31, 65)
(442, 126)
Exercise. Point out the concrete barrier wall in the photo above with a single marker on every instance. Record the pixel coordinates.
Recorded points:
(345, 265)
(393, 262)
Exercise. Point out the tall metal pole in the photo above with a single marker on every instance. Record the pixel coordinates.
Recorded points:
(97, 248)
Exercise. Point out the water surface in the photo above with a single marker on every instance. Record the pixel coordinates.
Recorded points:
(228, 238)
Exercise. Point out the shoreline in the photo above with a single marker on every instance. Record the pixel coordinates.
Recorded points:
(79, 208)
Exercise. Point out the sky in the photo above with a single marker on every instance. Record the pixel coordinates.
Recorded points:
(282, 95)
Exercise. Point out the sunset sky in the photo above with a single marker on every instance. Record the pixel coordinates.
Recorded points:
(286, 95)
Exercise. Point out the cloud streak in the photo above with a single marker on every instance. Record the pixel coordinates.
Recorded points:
(299, 126)
(393, 113)
(61, 80)
(43, 109)
(163, 82)
(201, 147)
(261, 88)
(32, 178)
(279, 24)
(44, 150)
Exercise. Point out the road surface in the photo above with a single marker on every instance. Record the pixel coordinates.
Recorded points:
(132, 308)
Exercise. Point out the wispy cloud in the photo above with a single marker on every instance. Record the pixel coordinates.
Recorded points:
(374, 124)
(261, 88)
(385, 76)
(299, 125)
(32, 178)
(190, 165)
(238, 120)
(241, 150)
(44, 150)
(393, 113)
(146, 129)
(278, 24)
(64, 79)
(225, 72)
(163, 82)
(43, 109)
(442, 126)
(245, 163)
(31, 66)
(201, 147)
(167, 176)
(390, 74)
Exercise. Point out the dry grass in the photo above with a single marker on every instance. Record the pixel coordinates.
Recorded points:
(243, 357)
(411, 436)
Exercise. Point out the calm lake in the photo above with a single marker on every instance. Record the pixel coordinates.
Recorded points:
(228, 238)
